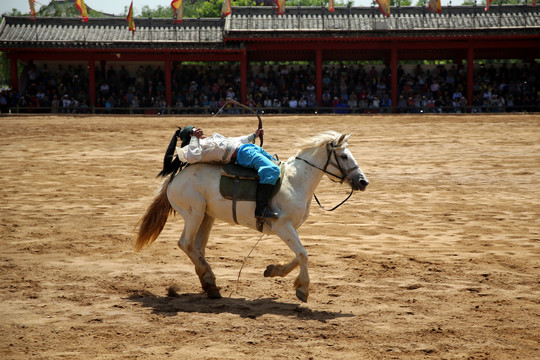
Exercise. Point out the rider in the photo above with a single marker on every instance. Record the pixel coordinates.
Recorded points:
(197, 147)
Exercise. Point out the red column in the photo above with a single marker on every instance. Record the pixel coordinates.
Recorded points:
(394, 72)
(318, 75)
(14, 74)
(243, 76)
(470, 74)
(168, 81)
(92, 81)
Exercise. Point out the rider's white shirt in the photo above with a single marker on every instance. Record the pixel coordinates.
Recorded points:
(216, 148)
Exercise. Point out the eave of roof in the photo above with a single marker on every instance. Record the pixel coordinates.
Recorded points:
(311, 19)
(16, 32)
(386, 36)
(261, 24)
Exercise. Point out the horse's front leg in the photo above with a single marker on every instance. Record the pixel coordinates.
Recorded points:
(281, 269)
(288, 234)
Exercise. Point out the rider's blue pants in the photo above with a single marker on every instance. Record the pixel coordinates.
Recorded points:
(253, 156)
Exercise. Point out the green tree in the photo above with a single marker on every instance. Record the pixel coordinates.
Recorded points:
(394, 3)
(158, 12)
(195, 9)
(212, 8)
(317, 3)
(494, 3)
(14, 12)
(55, 9)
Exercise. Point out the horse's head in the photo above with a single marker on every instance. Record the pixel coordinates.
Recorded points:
(342, 165)
(328, 152)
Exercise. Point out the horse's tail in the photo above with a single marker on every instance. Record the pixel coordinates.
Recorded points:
(155, 218)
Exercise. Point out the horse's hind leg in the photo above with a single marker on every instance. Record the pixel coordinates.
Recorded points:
(208, 280)
(193, 242)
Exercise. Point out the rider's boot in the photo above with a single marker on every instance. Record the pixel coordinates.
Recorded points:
(263, 197)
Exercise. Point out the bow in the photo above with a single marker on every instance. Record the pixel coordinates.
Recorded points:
(232, 101)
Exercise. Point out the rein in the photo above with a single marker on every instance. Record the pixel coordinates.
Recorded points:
(341, 178)
(335, 207)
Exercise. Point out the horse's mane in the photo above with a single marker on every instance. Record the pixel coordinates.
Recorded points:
(318, 140)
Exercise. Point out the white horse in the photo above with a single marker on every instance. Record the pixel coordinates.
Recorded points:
(194, 193)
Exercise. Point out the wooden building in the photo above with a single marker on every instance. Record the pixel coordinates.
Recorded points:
(460, 33)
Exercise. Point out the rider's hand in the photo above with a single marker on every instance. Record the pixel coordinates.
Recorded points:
(198, 133)
(259, 133)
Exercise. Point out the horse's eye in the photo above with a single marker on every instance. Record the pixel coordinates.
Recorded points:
(344, 156)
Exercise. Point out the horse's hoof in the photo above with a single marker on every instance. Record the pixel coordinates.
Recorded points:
(268, 271)
(301, 295)
(213, 292)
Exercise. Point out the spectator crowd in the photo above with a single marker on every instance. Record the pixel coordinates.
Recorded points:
(285, 88)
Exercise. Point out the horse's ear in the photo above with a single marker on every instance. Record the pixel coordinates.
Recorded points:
(342, 139)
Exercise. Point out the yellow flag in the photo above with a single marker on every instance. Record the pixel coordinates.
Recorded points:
(82, 8)
(226, 8)
(384, 6)
(130, 20)
(331, 5)
(32, 9)
(178, 6)
(435, 6)
(280, 7)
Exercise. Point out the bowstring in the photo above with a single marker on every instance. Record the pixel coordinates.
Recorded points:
(226, 103)
(243, 263)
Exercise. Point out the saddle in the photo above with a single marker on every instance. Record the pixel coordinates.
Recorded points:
(238, 183)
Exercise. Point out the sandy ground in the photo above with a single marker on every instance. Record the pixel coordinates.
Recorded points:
(438, 259)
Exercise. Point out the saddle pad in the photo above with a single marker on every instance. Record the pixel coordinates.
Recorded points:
(247, 188)
(248, 181)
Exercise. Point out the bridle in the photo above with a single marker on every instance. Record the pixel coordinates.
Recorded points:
(331, 150)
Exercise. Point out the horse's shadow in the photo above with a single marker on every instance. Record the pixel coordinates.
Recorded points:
(175, 303)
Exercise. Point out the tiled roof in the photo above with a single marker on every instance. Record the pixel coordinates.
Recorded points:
(370, 21)
(109, 33)
(262, 22)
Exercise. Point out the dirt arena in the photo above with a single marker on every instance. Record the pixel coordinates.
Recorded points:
(438, 259)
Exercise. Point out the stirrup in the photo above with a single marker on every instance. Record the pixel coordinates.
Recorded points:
(260, 222)
(267, 213)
